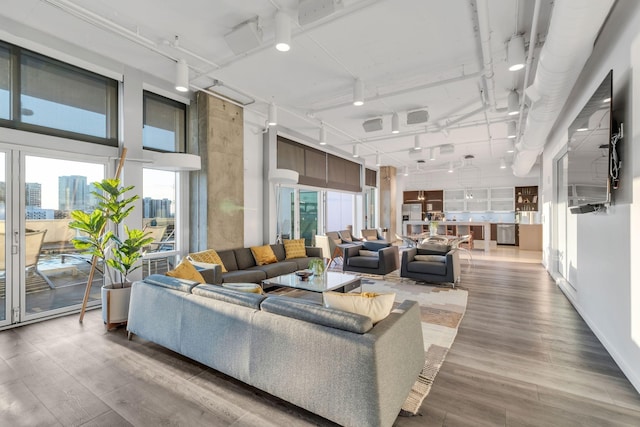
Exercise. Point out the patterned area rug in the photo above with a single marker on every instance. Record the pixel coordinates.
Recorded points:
(441, 310)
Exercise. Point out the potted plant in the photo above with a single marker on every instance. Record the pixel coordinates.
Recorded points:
(100, 238)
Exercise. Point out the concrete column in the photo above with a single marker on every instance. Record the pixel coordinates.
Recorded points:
(388, 205)
(221, 143)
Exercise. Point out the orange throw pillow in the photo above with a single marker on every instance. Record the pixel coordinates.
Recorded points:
(263, 255)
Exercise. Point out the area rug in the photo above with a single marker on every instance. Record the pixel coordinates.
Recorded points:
(441, 309)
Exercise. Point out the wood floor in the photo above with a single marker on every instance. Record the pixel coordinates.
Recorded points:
(522, 356)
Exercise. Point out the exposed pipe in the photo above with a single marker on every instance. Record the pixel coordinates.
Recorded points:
(527, 70)
(573, 29)
(484, 29)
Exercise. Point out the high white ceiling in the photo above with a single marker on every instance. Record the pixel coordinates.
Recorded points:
(410, 54)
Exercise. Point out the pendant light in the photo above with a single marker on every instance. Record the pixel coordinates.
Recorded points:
(358, 93)
(395, 123)
(182, 76)
(273, 115)
(511, 130)
(513, 103)
(355, 151)
(283, 32)
(515, 53)
(378, 159)
(417, 146)
(323, 135)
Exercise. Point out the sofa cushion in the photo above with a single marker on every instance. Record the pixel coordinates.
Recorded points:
(279, 251)
(373, 305)
(433, 248)
(171, 282)
(231, 296)
(375, 246)
(228, 258)
(302, 263)
(186, 270)
(314, 313)
(206, 259)
(244, 276)
(277, 269)
(433, 258)
(427, 267)
(295, 249)
(364, 252)
(263, 255)
(244, 258)
(363, 261)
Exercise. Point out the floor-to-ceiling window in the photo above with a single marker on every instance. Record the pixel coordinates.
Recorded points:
(340, 211)
(309, 204)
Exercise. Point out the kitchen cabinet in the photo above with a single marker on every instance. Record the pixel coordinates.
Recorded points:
(526, 198)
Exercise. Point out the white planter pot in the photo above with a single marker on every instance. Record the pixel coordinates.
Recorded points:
(115, 304)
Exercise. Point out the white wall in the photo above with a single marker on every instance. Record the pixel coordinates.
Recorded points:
(603, 285)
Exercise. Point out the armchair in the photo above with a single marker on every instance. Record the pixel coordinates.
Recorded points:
(371, 234)
(426, 266)
(347, 237)
(359, 259)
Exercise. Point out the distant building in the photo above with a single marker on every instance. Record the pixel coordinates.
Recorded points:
(156, 208)
(33, 194)
(39, 213)
(72, 192)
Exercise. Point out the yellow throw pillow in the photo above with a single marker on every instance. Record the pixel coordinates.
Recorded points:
(207, 257)
(186, 270)
(370, 304)
(263, 255)
(295, 249)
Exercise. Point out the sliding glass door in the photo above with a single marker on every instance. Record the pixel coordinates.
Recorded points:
(41, 273)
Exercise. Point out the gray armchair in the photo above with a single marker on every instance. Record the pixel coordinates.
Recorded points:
(347, 237)
(380, 262)
(430, 266)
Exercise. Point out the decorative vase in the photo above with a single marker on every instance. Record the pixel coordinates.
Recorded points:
(115, 304)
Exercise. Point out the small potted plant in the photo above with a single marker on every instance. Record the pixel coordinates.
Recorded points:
(316, 266)
(99, 237)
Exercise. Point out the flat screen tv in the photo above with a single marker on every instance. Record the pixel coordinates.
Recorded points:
(589, 153)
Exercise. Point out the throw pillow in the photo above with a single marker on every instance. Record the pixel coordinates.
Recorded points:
(186, 270)
(364, 252)
(263, 255)
(370, 304)
(295, 249)
(210, 256)
(431, 258)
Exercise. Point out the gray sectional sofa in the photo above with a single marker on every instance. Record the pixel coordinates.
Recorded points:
(241, 266)
(333, 363)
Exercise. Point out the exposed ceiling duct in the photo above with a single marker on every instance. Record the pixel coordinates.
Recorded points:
(572, 32)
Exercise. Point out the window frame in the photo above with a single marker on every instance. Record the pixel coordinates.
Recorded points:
(171, 102)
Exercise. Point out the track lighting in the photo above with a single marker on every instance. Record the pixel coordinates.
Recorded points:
(515, 53)
(273, 115)
(395, 123)
(513, 103)
(355, 151)
(432, 154)
(511, 130)
(406, 171)
(283, 32)
(323, 135)
(182, 76)
(358, 93)
(450, 170)
(417, 146)
(378, 159)
(503, 164)
(510, 147)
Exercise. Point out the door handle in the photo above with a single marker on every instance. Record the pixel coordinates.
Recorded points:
(16, 239)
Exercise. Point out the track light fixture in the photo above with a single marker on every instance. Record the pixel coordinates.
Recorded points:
(378, 159)
(406, 171)
(513, 103)
(323, 135)
(450, 170)
(432, 154)
(283, 32)
(503, 164)
(182, 76)
(510, 147)
(395, 123)
(511, 130)
(273, 115)
(417, 146)
(358, 93)
(356, 154)
(515, 53)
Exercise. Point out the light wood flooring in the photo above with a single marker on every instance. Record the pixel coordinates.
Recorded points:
(522, 356)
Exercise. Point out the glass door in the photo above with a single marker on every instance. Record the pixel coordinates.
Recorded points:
(308, 211)
(6, 239)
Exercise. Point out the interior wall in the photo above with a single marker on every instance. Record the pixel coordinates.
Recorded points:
(603, 285)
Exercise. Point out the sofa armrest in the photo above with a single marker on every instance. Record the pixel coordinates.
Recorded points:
(388, 258)
(312, 251)
(409, 255)
(212, 275)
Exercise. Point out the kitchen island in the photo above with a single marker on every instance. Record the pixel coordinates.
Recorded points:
(486, 226)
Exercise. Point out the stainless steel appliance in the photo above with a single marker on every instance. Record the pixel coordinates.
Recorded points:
(412, 212)
(506, 234)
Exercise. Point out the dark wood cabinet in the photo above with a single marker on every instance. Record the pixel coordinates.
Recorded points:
(494, 232)
(526, 198)
(478, 232)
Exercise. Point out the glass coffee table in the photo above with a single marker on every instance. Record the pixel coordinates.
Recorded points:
(328, 281)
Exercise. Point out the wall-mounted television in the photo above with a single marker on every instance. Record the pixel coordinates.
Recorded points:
(589, 152)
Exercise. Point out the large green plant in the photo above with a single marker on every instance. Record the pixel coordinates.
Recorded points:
(100, 229)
